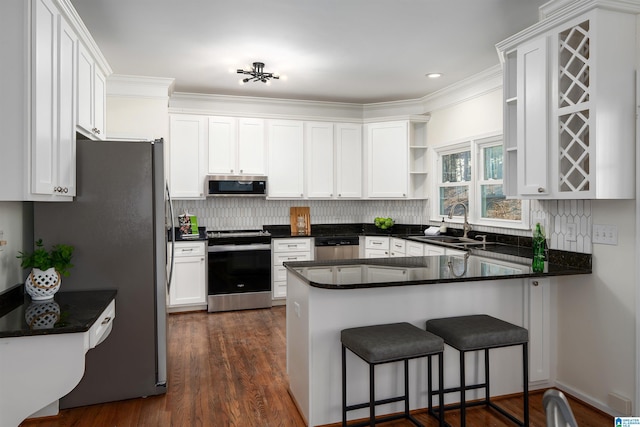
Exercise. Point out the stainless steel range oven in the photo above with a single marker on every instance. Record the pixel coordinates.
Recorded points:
(239, 264)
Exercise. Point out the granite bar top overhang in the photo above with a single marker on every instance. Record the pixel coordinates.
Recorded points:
(78, 310)
(405, 271)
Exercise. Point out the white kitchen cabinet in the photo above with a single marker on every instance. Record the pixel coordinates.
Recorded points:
(387, 158)
(430, 250)
(287, 250)
(376, 247)
(187, 155)
(286, 159)
(39, 87)
(396, 159)
(348, 165)
(319, 159)
(333, 160)
(539, 326)
(53, 148)
(414, 248)
(91, 111)
(397, 247)
(569, 107)
(189, 285)
(236, 146)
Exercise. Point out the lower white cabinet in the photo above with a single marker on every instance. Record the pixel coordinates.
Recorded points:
(188, 285)
(397, 247)
(287, 250)
(433, 250)
(414, 248)
(376, 247)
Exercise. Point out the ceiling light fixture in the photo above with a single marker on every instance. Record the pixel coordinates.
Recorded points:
(434, 75)
(257, 74)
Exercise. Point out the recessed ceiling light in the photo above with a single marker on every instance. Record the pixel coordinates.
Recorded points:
(433, 75)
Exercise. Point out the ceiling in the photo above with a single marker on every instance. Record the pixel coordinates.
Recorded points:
(360, 51)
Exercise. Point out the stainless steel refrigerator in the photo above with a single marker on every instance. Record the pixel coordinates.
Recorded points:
(117, 225)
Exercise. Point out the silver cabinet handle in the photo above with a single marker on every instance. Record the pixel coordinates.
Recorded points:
(106, 320)
(540, 190)
(535, 283)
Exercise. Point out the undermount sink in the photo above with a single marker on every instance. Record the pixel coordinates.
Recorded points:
(459, 242)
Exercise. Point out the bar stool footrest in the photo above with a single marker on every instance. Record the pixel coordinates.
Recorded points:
(376, 403)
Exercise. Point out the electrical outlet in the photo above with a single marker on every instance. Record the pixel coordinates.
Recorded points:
(571, 233)
(605, 234)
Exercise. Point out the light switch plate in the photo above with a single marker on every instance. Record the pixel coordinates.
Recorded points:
(605, 234)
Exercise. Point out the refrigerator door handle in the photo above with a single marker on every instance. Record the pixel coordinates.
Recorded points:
(173, 238)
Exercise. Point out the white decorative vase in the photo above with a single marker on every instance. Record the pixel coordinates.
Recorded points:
(42, 285)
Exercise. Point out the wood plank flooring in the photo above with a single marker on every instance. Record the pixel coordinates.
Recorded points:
(229, 370)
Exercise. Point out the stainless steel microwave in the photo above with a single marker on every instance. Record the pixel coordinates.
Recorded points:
(236, 185)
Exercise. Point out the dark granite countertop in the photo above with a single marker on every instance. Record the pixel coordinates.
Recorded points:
(381, 272)
(68, 312)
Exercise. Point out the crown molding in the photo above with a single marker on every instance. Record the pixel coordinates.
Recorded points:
(139, 86)
(557, 12)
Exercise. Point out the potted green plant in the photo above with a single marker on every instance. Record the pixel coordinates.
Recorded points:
(47, 267)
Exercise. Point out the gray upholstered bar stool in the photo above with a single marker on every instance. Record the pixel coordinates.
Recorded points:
(482, 332)
(388, 343)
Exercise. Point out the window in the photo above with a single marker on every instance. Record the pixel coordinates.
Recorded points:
(455, 179)
(480, 189)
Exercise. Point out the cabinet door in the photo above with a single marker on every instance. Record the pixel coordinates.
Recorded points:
(430, 250)
(318, 140)
(66, 167)
(85, 89)
(539, 293)
(187, 156)
(285, 159)
(251, 147)
(348, 149)
(532, 118)
(222, 145)
(414, 248)
(189, 285)
(99, 104)
(44, 156)
(387, 160)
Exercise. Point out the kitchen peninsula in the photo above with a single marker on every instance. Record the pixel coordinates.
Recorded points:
(325, 297)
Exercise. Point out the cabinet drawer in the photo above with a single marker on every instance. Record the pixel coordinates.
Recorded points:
(189, 249)
(376, 243)
(278, 259)
(291, 245)
(279, 273)
(280, 289)
(100, 330)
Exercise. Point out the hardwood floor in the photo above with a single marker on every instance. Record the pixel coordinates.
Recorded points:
(229, 369)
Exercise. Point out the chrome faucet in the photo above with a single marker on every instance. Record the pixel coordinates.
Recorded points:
(466, 227)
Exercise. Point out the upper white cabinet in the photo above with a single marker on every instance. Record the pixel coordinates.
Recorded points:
(286, 158)
(569, 107)
(236, 146)
(187, 155)
(396, 163)
(91, 103)
(39, 102)
(333, 160)
(348, 165)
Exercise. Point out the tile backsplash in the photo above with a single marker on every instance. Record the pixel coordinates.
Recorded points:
(249, 213)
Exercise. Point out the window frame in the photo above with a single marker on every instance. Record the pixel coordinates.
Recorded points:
(474, 187)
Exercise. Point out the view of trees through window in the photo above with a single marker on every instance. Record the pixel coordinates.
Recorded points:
(459, 184)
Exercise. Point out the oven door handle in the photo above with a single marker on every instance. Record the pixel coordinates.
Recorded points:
(240, 248)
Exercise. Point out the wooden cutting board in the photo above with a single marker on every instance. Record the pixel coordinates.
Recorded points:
(294, 213)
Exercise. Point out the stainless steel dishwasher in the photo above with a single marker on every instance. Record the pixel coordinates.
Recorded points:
(335, 247)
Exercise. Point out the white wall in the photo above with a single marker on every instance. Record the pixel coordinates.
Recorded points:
(596, 315)
(16, 228)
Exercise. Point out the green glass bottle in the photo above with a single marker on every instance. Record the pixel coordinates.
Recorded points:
(538, 249)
